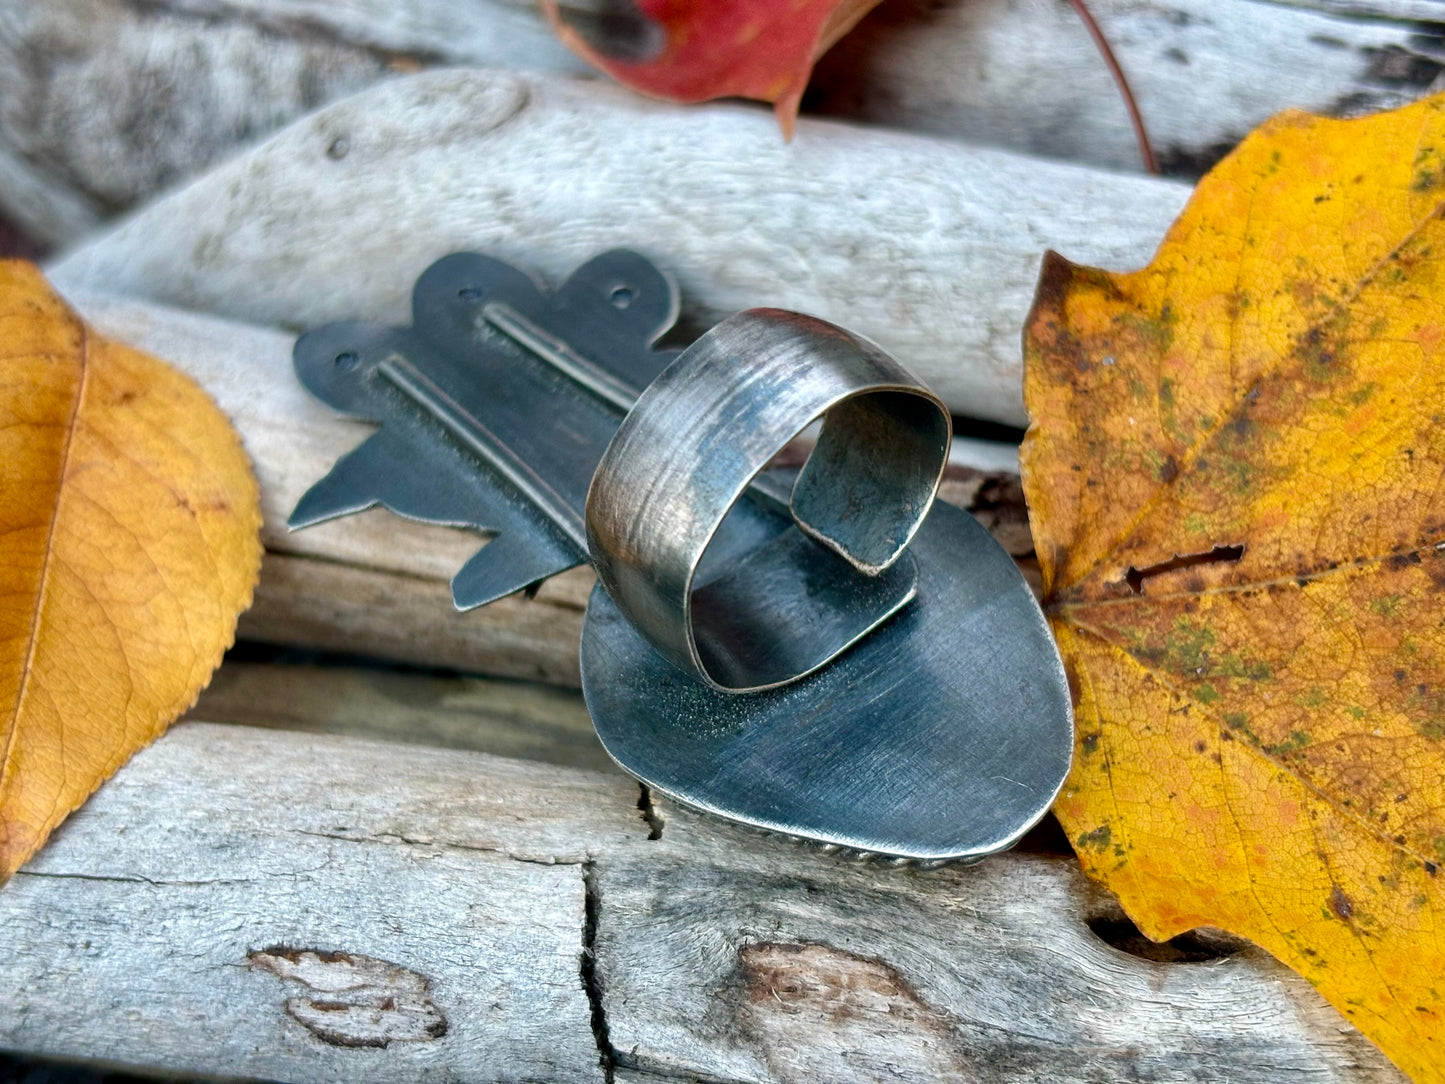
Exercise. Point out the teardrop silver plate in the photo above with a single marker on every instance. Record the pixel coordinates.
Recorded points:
(944, 735)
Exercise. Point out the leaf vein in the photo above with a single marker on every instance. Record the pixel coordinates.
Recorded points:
(83, 363)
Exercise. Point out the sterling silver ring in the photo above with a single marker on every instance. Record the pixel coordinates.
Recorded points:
(696, 443)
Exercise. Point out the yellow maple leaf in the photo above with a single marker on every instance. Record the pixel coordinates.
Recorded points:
(1236, 480)
(129, 544)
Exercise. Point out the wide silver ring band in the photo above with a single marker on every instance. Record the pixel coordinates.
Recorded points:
(702, 431)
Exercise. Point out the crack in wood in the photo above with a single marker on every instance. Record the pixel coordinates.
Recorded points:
(592, 983)
(136, 879)
(655, 820)
(393, 839)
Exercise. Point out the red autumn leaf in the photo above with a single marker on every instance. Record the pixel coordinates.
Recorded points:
(694, 50)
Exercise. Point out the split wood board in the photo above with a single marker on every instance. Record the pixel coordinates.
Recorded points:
(260, 904)
(103, 103)
(376, 584)
(930, 248)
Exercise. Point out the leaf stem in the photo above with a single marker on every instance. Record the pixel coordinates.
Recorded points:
(1146, 151)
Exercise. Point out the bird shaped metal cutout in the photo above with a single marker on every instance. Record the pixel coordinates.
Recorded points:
(923, 713)
(490, 416)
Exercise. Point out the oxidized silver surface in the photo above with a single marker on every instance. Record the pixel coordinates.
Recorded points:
(495, 407)
(945, 734)
(903, 693)
(690, 447)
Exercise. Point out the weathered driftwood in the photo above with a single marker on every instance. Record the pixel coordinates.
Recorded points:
(1422, 11)
(374, 583)
(102, 102)
(378, 584)
(516, 719)
(1024, 73)
(932, 248)
(263, 875)
(254, 903)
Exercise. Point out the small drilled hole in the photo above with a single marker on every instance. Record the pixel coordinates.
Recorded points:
(622, 296)
(347, 360)
(469, 293)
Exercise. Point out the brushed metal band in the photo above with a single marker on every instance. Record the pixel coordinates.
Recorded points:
(696, 439)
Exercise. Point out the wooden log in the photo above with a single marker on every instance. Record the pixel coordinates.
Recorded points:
(522, 720)
(102, 102)
(488, 33)
(785, 966)
(375, 583)
(260, 904)
(372, 583)
(929, 247)
(1025, 74)
(1422, 11)
(264, 914)
(310, 602)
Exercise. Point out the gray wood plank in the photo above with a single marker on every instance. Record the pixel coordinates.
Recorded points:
(522, 720)
(257, 903)
(733, 959)
(105, 102)
(1025, 74)
(375, 583)
(244, 903)
(929, 247)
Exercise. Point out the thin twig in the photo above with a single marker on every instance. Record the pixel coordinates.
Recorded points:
(1146, 151)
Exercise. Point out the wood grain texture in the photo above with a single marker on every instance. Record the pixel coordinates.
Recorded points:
(523, 720)
(489, 33)
(377, 584)
(458, 895)
(373, 583)
(104, 102)
(1024, 74)
(239, 902)
(930, 248)
(1402, 10)
(360, 609)
(799, 967)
